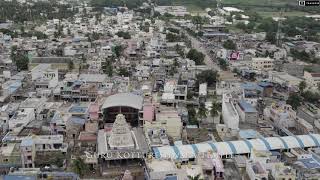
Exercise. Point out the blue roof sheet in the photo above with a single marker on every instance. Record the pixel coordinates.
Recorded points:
(19, 177)
(246, 107)
(251, 86)
(249, 134)
(310, 163)
(26, 142)
(78, 109)
(77, 120)
(171, 178)
(265, 84)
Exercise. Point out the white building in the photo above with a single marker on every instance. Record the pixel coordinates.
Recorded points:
(230, 115)
(44, 76)
(173, 93)
(203, 89)
(167, 169)
(21, 118)
(281, 114)
(284, 78)
(312, 79)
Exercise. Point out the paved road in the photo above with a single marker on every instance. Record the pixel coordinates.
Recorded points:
(196, 44)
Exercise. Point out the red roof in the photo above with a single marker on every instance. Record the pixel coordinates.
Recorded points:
(315, 74)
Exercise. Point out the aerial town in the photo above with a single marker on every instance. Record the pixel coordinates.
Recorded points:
(159, 90)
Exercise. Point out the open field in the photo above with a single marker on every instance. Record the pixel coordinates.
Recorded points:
(260, 2)
(285, 14)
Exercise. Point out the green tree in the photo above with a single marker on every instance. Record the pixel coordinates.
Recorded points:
(96, 36)
(118, 50)
(271, 37)
(198, 21)
(223, 64)
(192, 116)
(124, 72)
(14, 51)
(124, 35)
(238, 16)
(207, 76)
(40, 35)
(197, 177)
(302, 86)
(312, 97)
(215, 109)
(79, 166)
(171, 37)
(202, 111)
(179, 50)
(20, 59)
(108, 68)
(70, 65)
(294, 100)
(196, 56)
(229, 44)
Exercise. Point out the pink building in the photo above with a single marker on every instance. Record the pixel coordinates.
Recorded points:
(94, 111)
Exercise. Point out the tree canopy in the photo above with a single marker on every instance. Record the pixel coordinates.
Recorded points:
(41, 10)
(196, 56)
(79, 166)
(208, 76)
(294, 100)
(229, 44)
(20, 59)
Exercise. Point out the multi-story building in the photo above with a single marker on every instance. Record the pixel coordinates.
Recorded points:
(44, 76)
(262, 64)
(76, 90)
(281, 114)
(30, 146)
(174, 93)
(247, 112)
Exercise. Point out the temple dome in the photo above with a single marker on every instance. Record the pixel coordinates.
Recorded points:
(121, 136)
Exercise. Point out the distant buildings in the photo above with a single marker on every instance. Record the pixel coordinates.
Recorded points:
(173, 10)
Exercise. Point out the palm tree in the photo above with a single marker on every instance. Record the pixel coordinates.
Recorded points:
(197, 177)
(202, 112)
(215, 109)
(79, 166)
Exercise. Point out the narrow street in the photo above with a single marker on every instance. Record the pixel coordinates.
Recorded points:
(196, 44)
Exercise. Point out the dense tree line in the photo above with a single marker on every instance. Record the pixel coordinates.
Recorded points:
(37, 11)
(292, 26)
(199, 3)
(115, 3)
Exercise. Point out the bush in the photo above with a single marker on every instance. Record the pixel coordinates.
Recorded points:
(124, 35)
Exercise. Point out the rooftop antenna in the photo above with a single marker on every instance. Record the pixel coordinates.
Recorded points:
(278, 35)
